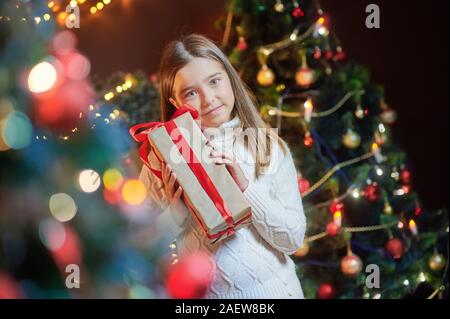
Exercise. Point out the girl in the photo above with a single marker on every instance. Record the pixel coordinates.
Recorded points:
(254, 262)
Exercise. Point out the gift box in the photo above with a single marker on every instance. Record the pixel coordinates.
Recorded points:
(209, 191)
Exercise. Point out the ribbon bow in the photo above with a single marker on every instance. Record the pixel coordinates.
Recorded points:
(145, 128)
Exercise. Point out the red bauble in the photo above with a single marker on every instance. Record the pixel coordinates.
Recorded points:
(191, 276)
(351, 265)
(339, 56)
(418, 211)
(242, 44)
(395, 248)
(303, 185)
(326, 291)
(308, 140)
(328, 55)
(372, 192)
(317, 53)
(405, 176)
(333, 229)
(297, 12)
(336, 206)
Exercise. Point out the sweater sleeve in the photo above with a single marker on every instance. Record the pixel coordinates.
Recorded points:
(169, 222)
(277, 209)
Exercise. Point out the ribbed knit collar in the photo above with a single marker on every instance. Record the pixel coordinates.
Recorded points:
(223, 134)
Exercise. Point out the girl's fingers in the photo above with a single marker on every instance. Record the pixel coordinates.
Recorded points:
(178, 193)
(211, 144)
(172, 180)
(220, 160)
(164, 172)
(223, 155)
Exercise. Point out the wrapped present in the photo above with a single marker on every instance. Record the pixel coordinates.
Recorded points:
(209, 191)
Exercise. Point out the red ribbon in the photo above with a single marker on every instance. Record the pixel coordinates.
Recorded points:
(192, 161)
(145, 128)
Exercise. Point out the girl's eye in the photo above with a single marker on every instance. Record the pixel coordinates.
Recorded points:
(215, 81)
(190, 94)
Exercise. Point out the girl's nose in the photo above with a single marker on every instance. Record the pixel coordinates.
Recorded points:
(208, 97)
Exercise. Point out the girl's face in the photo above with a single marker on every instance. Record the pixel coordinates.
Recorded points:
(204, 84)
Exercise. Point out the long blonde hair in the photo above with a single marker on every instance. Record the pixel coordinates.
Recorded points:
(178, 53)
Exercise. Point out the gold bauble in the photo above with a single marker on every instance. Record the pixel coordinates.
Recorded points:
(388, 116)
(302, 251)
(305, 76)
(351, 139)
(279, 7)
(436, 262)
(265, 76)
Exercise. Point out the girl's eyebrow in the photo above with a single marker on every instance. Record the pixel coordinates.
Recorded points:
(206, 79)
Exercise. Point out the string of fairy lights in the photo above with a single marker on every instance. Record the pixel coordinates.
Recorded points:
(63, 11)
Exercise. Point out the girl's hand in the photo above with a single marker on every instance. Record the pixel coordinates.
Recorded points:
(171, 188)
(222, 158)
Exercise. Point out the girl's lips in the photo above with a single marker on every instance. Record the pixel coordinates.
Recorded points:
(214, 111)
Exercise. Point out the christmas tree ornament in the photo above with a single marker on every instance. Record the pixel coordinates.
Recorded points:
(395, 174)
(191, 276)
(308, 140)
(305, 76)
(317, 53)
(302, 251)
(333, 229)
(405, 176)
(303, 184)
(359, 112)
(418, 211)
(351, 139)
(279, 6)
(265, 76)
(339, 55)
(351, 265)
(372, 192)
(388, 116)
(395, 248)
(336, 206)
(387, 209)
(436, 262)
(297, 12)
(328, 54)
(242, 44)
(326, 291)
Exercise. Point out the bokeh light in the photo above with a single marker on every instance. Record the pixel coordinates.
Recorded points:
(89, 180)
(112, 179)
(112, 197)
(42, 77)
(6, 108)
(9, 288)
(134, 192)
(78, 66)
(52, 234)
(62, 207)
(191, 276)
(16, 130)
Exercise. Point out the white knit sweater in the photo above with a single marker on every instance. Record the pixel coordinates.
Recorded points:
(254, 262)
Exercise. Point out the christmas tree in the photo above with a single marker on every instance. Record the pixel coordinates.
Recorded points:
(368, 234)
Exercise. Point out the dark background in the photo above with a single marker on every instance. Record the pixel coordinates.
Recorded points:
(408, 55)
